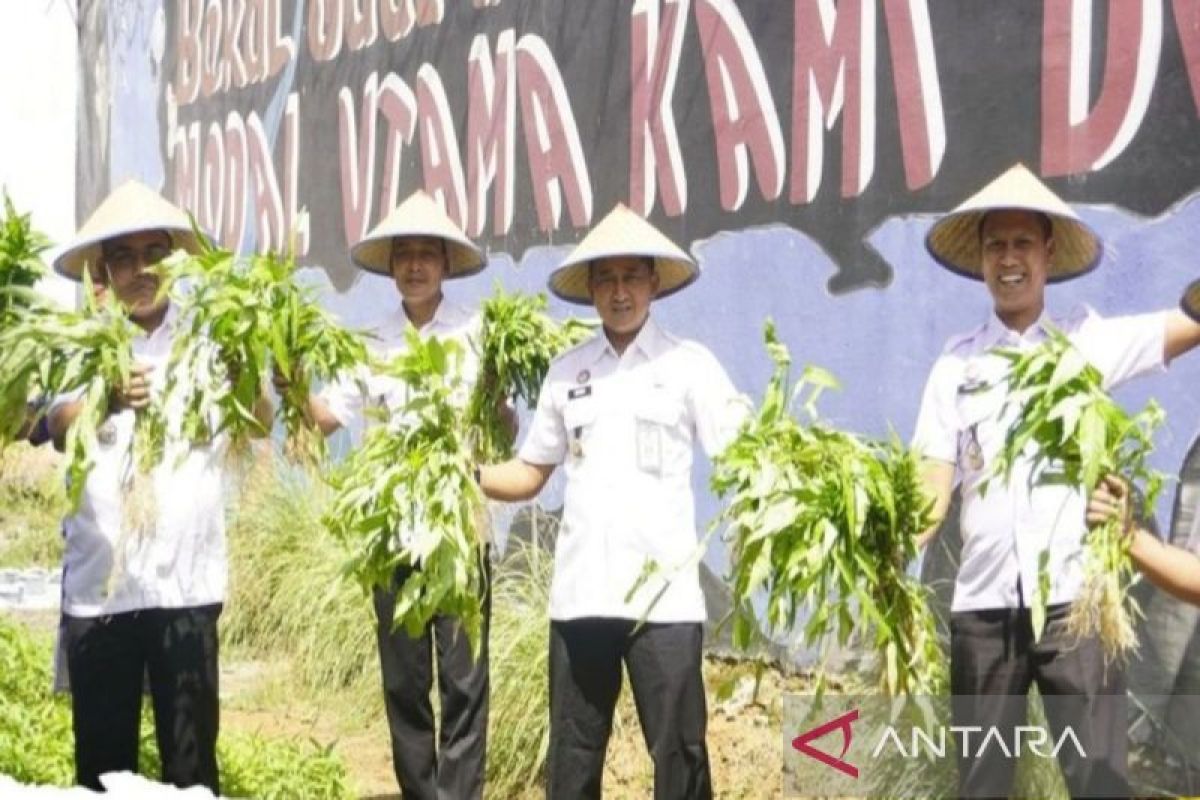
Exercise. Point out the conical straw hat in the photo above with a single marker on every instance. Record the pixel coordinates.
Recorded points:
(133, 207)
(623, 233)
(954, 240)
(1190, 303)
(419, 215)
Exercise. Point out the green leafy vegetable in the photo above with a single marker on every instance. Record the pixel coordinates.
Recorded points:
(1072, 432)
(241, 318)
(49, 352)
(518, 340)
(415, 473)
(824, 521)
(408, 497)
(21, 264)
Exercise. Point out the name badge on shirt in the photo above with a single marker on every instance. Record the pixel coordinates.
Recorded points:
(973, 382)
(974, 451)
(649, 446)
(973, 386)
(107, 433)
(575, 434)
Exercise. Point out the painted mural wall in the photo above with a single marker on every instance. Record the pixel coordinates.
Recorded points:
(798, 149)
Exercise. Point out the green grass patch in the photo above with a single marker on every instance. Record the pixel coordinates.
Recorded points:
(37, 745)
(288, 598)
(519, 733)
(32, 505)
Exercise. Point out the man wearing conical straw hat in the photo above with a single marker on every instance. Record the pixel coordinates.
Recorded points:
(146, 601)
(622, 412)
(420, 248)
(1016, 236)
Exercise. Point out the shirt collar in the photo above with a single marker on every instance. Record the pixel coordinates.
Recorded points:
(166, 327)
(649, 342)
(996, 332)
(447, 314)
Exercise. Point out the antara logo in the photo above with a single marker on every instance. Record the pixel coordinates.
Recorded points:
(842, 723)
(988, 742)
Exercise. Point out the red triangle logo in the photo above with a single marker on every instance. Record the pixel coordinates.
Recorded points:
(842, 723)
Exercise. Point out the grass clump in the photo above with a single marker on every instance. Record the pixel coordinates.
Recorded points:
(36, 742)
(288, 596)
(33, 502)
(519, 722)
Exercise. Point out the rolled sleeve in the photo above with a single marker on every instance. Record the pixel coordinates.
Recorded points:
(546, 442)
(936, 433)
(717, 407)
(344, 397)
(60, 400)
(1123, 347)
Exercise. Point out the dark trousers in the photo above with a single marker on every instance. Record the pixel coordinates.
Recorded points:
(585, 678)
(107, 659)
(994, 660)
(454, 768)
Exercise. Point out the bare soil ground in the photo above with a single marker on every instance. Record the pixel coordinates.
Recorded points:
(745, 739)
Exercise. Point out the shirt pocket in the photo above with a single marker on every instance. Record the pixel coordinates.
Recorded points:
(662, 437)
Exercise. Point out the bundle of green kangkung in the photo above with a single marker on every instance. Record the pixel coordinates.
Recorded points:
(241, 318)
(408, 497)
(21, 266)
(823, 522)
(518, 340)
(1069, 429)
(49, 352)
